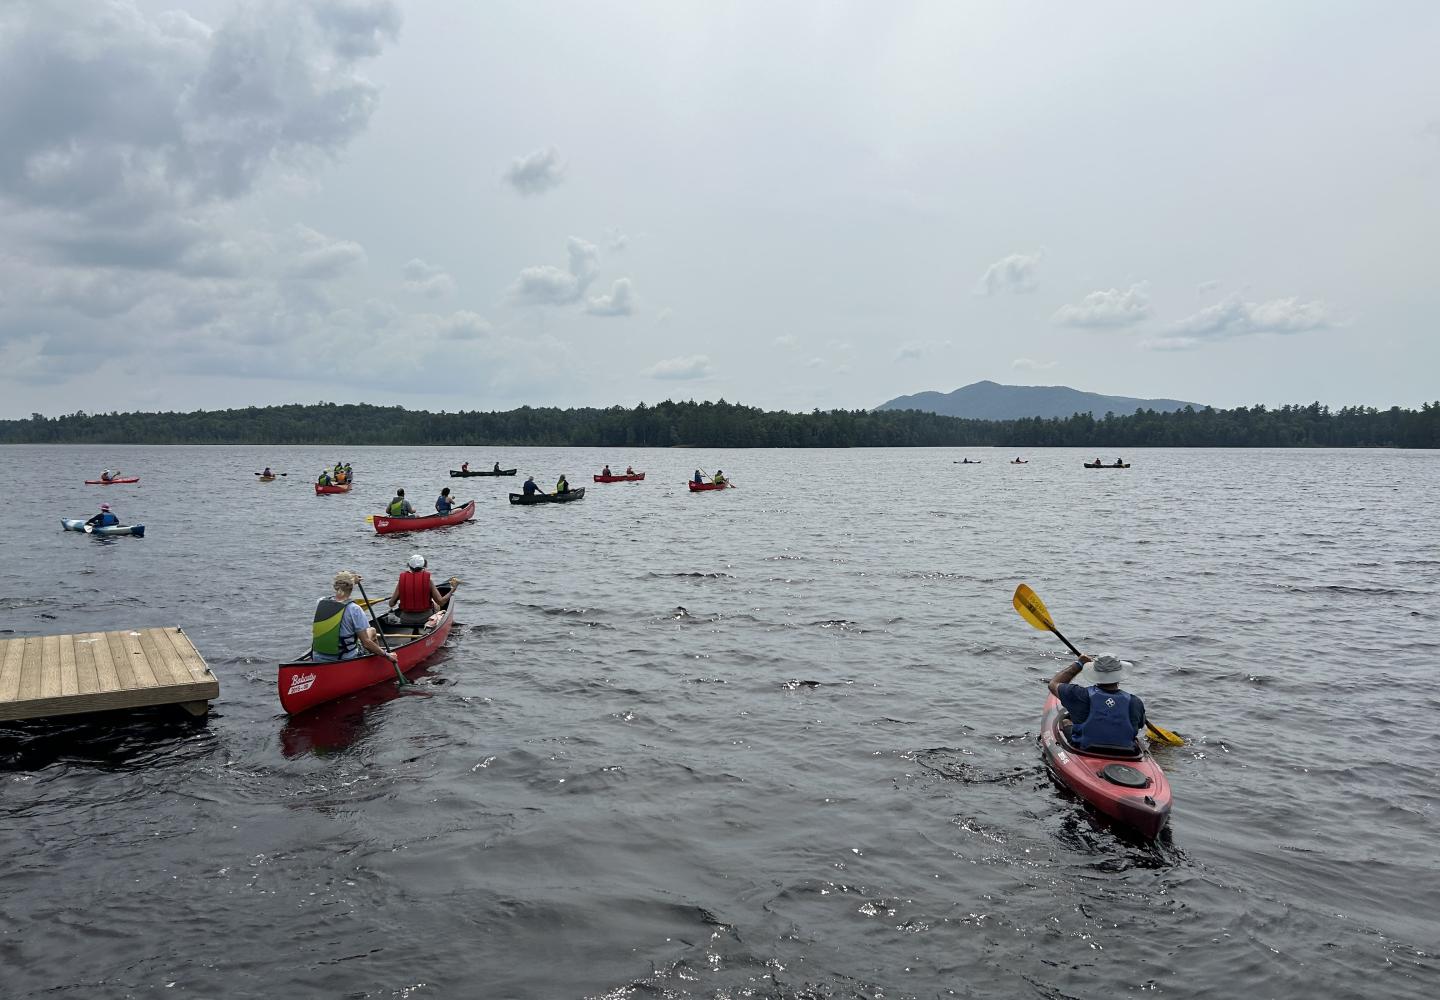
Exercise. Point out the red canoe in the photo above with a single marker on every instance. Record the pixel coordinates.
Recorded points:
(697, 487)
(386, 525)
(1130, 788)
(111, 482)
(305, 683)
(332, 488)
(634, 477)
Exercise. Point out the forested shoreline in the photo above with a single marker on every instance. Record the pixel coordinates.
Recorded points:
(730, 425)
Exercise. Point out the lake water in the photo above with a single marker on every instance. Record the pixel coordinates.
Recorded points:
(818, 779)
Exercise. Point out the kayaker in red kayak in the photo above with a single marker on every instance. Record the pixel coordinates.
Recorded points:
(341, 628)
(1100, 714)
(415, 594)
(108, 476)
(400, 507)
(104, 519)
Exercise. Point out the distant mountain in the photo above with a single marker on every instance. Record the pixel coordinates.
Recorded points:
(992, 401)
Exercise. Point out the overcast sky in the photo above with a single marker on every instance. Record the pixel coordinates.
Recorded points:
(481, 205)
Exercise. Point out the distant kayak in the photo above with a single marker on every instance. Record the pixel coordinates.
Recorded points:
(267, 479)
(698, 487)
(77, 524)
(966, 461)
(1129, 787)
(633, 477)
(332, 488)
(1102, 465)
(521, 499)
(111, 482)
(386, 525)
(1019, 461)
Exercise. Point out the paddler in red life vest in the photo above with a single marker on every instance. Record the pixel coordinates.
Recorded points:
(415, 596)
(464, 466)
(1100, 713)
(341, 628)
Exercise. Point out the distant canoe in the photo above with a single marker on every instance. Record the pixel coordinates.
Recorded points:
(700, 487)
(1102, 465)
(387, 525)
(520, 499)
(633, 477)
(332, 488)
(465, 473)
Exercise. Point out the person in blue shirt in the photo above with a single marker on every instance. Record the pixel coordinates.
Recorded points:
(341, 630)
(443, 503)
(699, 476)
(531, 487)
(1100, 713)
(104, 519)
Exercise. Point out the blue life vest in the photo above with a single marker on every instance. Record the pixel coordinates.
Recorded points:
(444, 505)
(1108, 723)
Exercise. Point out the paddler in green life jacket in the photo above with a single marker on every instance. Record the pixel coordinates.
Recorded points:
(562, 486)
(324, 479)
(400, 507)
(341, 629)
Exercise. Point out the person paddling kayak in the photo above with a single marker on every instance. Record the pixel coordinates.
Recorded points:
(341, 629)
(108, 476)
(400, 507)
(415, 595)
(1100, 714)
(104, 519)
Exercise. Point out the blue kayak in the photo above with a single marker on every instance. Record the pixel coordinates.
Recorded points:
(76, 524)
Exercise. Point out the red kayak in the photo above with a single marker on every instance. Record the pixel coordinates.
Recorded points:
(305, 683)
(697, 487)
(111, 482)
(332, 488)
(633, 477)
(386, 525)
(1129, 787)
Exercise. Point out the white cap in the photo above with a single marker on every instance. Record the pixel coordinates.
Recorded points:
(417, 561)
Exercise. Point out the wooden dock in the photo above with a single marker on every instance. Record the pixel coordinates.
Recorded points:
(47, 675)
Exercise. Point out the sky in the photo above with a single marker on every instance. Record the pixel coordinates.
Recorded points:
(453, 205)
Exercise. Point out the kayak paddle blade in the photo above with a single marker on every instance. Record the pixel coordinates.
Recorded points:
(1032, 609)
(1164, 735)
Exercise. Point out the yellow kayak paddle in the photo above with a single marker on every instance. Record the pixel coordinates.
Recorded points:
(1033, 610)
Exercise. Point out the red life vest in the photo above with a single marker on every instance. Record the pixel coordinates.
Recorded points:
(415, 590)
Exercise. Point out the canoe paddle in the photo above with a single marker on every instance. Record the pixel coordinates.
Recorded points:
(1033, 610)
(400, 680)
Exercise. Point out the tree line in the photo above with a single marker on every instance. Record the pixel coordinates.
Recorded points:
(731, 425)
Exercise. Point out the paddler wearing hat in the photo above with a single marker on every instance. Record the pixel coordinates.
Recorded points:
(104, 519)
(1100, 713)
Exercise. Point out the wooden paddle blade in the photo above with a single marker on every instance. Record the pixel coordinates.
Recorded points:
(1164, 735)
(1032, 609)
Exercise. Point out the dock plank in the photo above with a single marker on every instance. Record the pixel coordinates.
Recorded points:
(69, 672)
(98, 671)
(87, 674)
(106, 672)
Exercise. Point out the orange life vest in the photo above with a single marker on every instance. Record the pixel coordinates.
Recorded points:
(415, 590)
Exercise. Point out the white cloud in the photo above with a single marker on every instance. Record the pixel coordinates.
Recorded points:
(547, 285)
(696, 366)
(1206, 287)
(1236, 318)
(1108, 308)
(1031, 365)
(620, 301)
(426, 279)
(319, 258)
(464, 325)
(537, 172)
(1015, 273)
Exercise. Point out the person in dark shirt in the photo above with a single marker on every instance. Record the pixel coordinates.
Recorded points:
(531, 487)
(444, 503)
(1100, 713)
